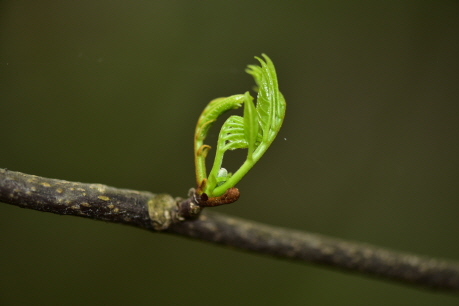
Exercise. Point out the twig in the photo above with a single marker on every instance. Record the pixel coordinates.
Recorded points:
(178, 216)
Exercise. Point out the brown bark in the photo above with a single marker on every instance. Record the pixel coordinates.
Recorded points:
(178, 216)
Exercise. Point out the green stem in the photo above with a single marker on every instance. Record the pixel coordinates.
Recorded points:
(242, 171)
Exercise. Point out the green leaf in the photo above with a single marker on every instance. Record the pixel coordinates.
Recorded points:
(231, 137)
(213, 110)
(270, 102)
(250, 124)
(209, 115)
(232, 134)
(236, 133)
(255, 131)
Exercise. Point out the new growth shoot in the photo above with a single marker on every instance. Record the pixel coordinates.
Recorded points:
(255, 131)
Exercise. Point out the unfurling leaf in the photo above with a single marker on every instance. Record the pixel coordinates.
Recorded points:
(250, 124)
(270, 102)
(255, 132)
(208, 116)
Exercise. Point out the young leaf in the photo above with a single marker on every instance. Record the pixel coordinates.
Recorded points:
(231, 137)
(270, 102)
(255, 131)
(250, 124)
(208, 116)
(236, 133)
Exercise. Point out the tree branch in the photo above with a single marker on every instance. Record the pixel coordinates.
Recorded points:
(177, 216)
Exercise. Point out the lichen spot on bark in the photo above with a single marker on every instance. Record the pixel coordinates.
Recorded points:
(159, 209)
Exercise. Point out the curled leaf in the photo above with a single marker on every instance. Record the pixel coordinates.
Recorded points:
(250, 124)
(209, 115)
(270, 102)
(255, 131)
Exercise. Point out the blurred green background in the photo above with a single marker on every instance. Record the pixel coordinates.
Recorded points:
(109, 92)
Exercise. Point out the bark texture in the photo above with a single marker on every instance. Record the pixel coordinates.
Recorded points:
(183, 217)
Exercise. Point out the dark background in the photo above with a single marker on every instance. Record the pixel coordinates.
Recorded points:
(109, 92)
